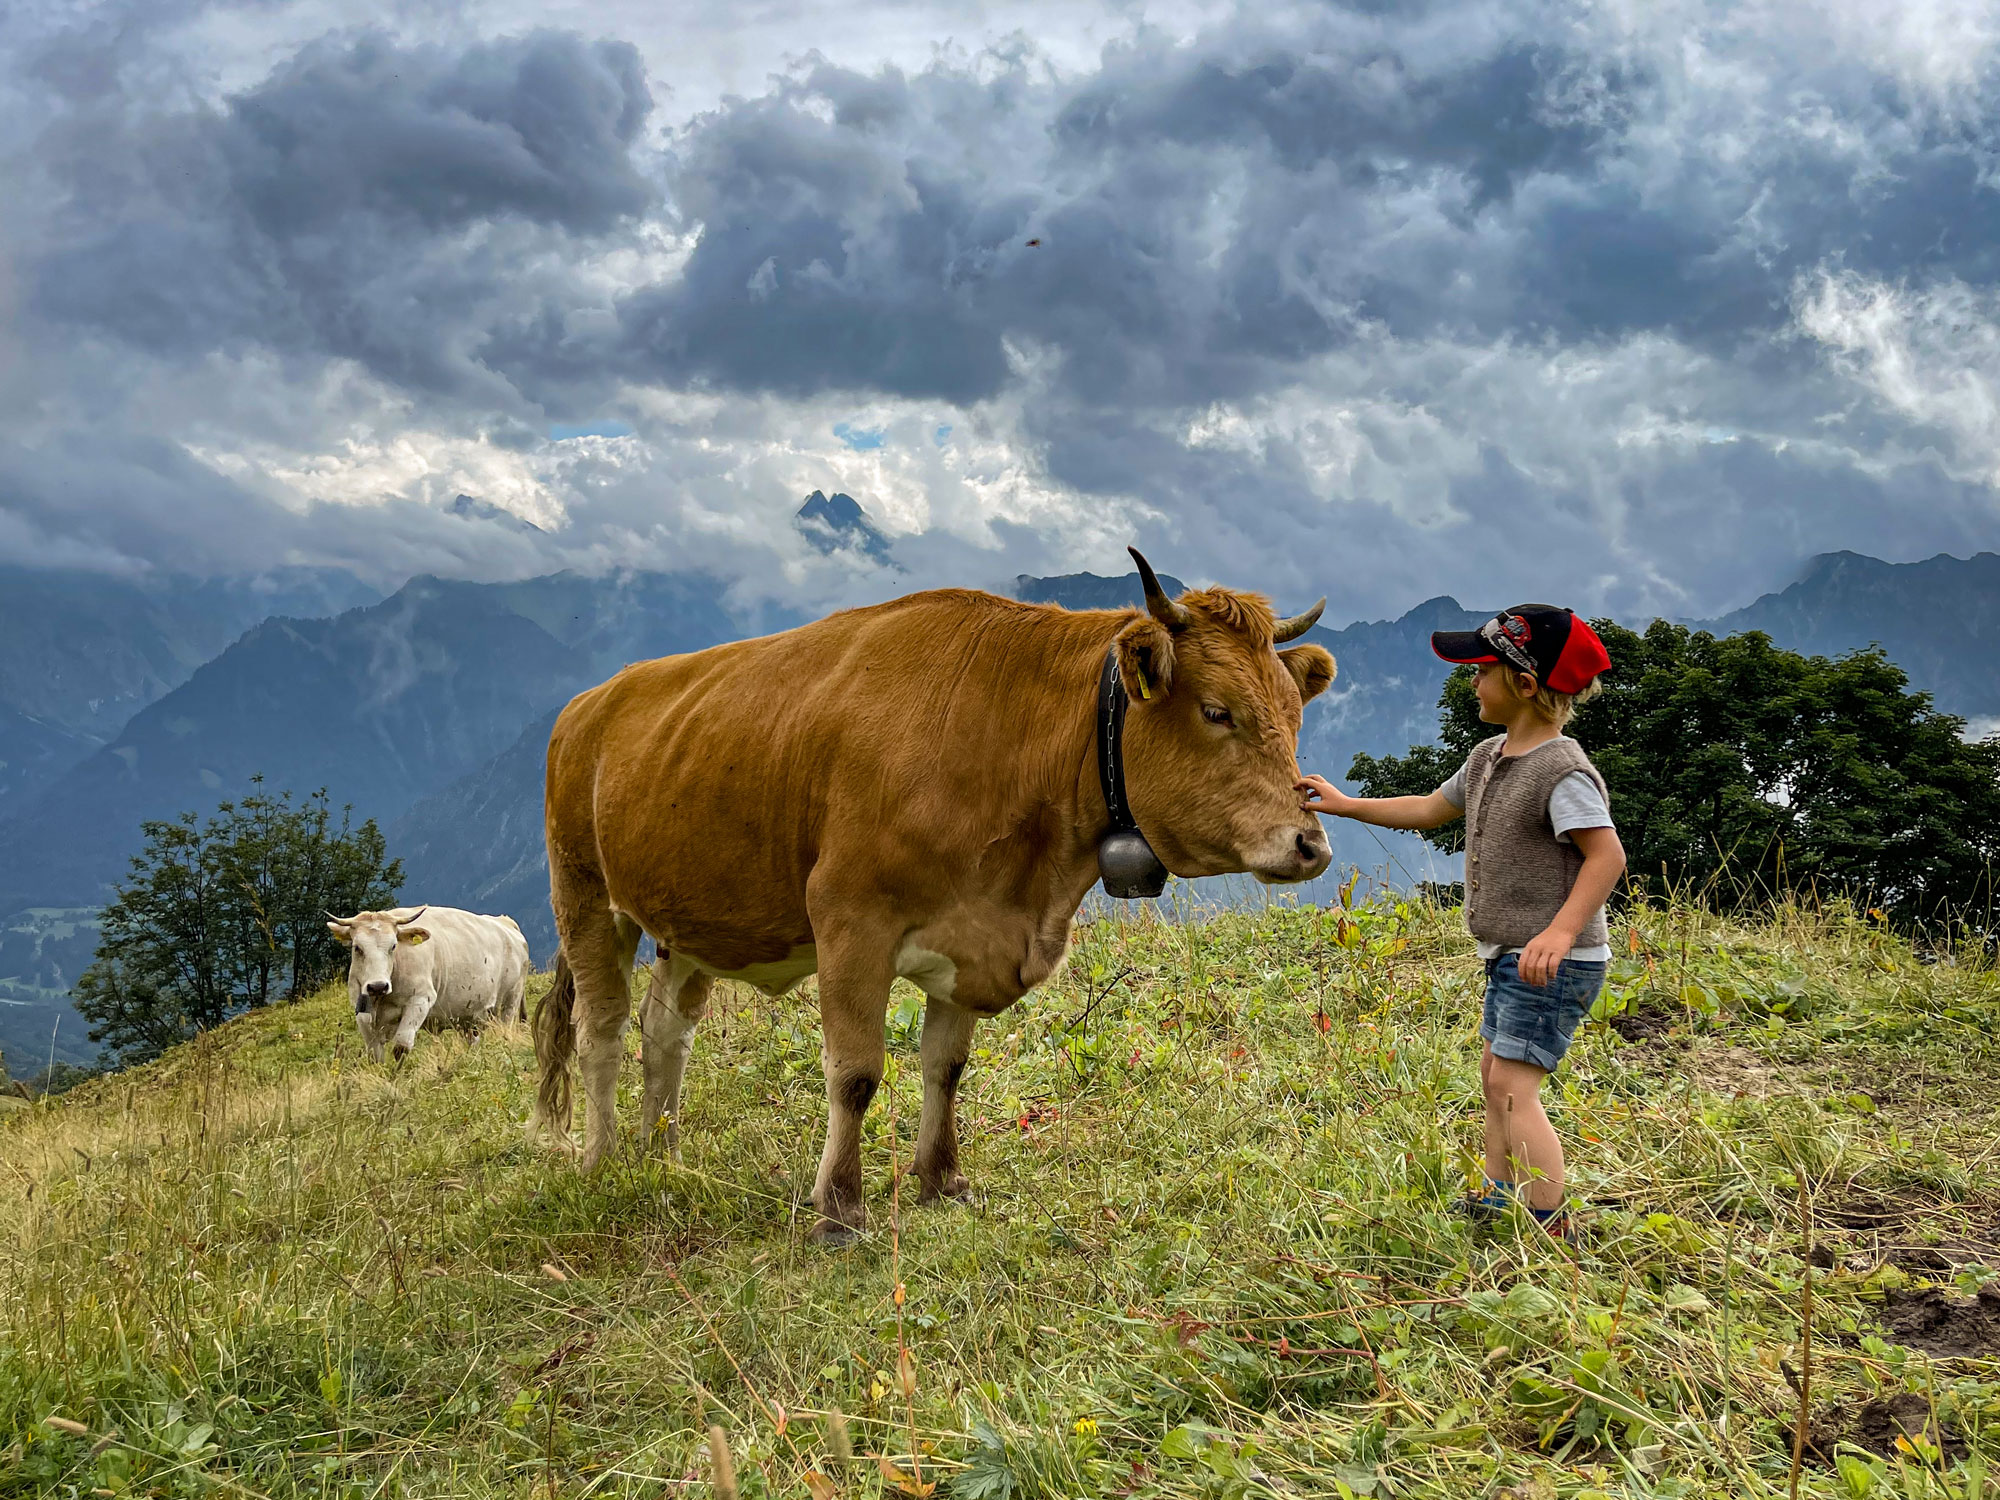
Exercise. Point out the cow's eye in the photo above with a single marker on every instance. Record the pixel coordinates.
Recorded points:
(1215, 713)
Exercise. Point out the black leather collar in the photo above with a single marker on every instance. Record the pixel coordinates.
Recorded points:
(1125, 860)
(1111, 705)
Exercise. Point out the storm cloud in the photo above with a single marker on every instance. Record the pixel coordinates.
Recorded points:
(1642, 309)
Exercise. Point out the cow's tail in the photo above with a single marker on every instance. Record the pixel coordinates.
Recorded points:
(555, 1040)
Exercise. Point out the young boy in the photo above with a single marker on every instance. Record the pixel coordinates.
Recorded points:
(1541, 857)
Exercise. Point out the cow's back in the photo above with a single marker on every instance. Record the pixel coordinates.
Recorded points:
(703, 790)
(474, 962)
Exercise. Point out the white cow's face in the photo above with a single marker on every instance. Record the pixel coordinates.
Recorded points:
(372, 938)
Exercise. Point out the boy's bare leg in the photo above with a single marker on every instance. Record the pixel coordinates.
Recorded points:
(1521, 1145)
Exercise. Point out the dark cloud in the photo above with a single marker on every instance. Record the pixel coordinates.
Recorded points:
(1212, 216)
(541, 128)
(368, 201)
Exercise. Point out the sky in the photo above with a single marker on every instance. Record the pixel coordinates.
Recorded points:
(1634, 306)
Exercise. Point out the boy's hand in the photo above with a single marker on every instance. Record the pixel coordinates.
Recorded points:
(1323, 796)
(1544, 955)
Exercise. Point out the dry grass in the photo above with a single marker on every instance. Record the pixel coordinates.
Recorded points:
(1215, 1251)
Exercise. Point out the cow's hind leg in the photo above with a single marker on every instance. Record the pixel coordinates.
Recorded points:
(676, 1000)
(854, 978)
(947, 1041)
(600, 949)
(513, 994)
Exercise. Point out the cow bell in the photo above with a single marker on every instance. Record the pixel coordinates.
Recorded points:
(1129, 866)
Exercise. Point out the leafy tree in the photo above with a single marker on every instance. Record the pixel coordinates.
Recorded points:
(1742, 770)
(226, 915)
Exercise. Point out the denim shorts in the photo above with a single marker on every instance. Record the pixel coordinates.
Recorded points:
(1525, 1023)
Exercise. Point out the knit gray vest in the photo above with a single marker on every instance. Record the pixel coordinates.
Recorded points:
(1517, 876)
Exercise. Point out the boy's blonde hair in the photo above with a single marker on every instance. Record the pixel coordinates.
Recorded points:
(1554, 706)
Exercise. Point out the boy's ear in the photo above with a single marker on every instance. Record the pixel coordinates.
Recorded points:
(1146, 659)
(1312, 668)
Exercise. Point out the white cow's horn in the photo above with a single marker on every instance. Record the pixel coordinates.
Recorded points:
(1298, 625)
(406, 921)
(343, 921)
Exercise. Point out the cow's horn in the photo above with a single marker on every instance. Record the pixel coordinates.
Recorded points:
(406, 921)
(1297, 625)
(343, 921)
(1163, 609)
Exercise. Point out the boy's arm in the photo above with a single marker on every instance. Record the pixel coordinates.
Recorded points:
(1603, 863)
(1432, 810)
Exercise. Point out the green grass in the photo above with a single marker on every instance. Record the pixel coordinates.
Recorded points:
(1214, 1252)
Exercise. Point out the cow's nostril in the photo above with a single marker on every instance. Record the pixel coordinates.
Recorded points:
(379, 987)
(1308, 848)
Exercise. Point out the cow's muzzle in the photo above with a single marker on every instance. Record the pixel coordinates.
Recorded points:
(378, 989)
(1305, 857)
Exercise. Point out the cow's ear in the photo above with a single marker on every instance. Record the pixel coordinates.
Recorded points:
(412, 935)
(1146, 659)
(1312, 669)
(342, 933)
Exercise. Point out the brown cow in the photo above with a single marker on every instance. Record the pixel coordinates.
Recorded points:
(908, 789)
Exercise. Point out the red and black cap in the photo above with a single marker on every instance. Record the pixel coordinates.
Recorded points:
(1557, 646)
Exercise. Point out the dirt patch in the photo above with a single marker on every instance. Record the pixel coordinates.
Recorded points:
(1928, 1237)
(1941, 1324)
(1645, 1025)
(1864, 1209)
(1876, 1426)
(1718, 1067)
(1734, 1072)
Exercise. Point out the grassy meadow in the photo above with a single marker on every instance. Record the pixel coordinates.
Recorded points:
(1213, 1253)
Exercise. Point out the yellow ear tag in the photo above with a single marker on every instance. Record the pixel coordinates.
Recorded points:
(1145, 688)
(414, 938)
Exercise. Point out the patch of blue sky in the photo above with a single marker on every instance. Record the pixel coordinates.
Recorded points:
(861, 439)
(942, 435)
(562, 432)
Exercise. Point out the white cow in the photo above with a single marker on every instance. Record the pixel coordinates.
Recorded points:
(454, 968)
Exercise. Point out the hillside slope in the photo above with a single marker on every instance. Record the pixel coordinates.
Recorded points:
(1939, 620)
(379, 705)
(1213, 1248)
(84, 652)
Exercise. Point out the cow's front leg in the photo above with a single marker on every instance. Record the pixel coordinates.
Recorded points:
(853, 1010)
(370, 1042)
(947, 1041)
(415, 1008)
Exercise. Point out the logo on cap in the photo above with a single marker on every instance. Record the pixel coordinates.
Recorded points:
(1509, 635)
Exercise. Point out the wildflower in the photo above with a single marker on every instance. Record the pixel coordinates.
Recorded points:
(1085, 1427)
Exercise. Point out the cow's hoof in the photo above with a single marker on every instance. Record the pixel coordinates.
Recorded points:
(834, 1235)
(952, 1189)
(400, 1053)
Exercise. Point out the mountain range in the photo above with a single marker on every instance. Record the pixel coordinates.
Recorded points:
(84, 652)
(430, 709)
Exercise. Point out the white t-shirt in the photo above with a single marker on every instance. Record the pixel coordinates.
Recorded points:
(1575, 803)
